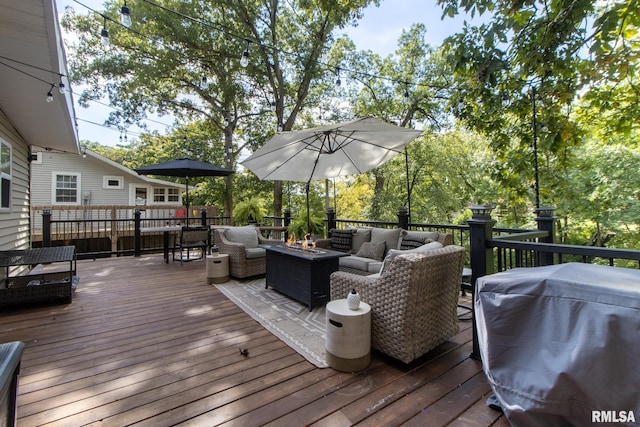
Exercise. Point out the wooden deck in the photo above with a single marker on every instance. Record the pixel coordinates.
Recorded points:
(146, 343)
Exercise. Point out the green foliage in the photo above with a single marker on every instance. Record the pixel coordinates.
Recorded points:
(248, 210)
(299, 227)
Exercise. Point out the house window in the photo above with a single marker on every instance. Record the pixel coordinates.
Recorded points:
(66, 188)
(113, 182)
(158, 195)
(166, 195)
(173, 195)
(5, 174)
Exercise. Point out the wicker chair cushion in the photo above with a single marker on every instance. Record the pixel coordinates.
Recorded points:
(247, 236)
(255, 252)
(372, 250)
(354, 261)
(391, 237)
(341, 240)
(360, 236)
(395, 252)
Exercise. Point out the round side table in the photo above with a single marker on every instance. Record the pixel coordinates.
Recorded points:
(348, 332)
(217, 268)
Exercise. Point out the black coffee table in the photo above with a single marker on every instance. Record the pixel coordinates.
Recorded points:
(301, 274)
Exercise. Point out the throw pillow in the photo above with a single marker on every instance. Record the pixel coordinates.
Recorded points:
(360, 235)
(413, 242)
(372, 250)
(247, 235)
(341, 240)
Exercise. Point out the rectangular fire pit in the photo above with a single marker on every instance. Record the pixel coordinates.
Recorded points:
(302, 274)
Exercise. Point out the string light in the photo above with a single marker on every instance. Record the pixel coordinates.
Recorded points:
(104, 34)
(61, 86)
(244, 60)
(338, 81)
(50, 94)
(125, 15)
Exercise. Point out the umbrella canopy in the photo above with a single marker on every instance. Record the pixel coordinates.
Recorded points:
(185, 168)
(330, 151)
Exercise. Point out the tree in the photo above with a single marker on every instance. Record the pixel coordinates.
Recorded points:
(521, 75)
(169, 61)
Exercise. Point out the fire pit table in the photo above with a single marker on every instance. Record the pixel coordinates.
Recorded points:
(301, 273)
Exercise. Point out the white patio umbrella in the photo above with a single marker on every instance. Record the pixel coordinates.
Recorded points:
(330, 151)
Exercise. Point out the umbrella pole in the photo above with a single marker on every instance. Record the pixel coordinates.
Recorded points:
(406, 165)
(186, 178)
(308, 212)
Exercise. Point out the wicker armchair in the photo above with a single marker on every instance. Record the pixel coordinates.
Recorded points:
(413, 302)
(245, 260)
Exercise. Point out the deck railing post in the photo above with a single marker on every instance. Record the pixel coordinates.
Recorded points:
(287, 221)
(546, 222)
(480, 231)
(46, 227)
(137, 214)
(403, 218)
(331, 220)
(203, 216)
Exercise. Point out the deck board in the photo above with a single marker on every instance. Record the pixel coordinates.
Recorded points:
(152, 344)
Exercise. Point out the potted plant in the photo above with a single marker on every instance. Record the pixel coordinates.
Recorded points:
(249, 211)
(298, 227)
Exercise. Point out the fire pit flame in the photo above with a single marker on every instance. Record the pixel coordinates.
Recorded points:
(306, 245)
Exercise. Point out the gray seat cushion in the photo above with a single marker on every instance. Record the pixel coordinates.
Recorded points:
(255, 252)
(357, 262)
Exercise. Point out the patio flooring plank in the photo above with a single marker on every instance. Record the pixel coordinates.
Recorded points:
(149, 343)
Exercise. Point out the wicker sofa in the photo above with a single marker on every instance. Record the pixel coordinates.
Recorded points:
(245, 246)
(367, 250)
(413, 301)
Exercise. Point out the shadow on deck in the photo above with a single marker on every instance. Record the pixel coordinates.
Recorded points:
(149, 343)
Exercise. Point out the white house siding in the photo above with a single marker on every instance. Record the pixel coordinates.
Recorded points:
(92, 171)
(14, 222)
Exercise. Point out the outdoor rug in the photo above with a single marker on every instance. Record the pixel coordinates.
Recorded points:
(289, 320)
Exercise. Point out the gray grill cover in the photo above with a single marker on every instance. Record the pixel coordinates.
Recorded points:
(559, 342)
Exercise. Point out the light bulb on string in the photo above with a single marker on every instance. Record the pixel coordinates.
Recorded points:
(504, 98)
(61, 87)
(338, 81)
(125, 15)
(460, 106)
(244, 60)
(104, 34)
(50, 94)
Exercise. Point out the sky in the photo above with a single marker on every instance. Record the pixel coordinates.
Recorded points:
(378, 31)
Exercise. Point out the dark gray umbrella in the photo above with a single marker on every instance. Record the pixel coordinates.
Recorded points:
(184, 168)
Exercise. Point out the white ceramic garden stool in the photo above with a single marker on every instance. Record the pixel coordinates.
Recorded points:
(348, 342)
(217, 268)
